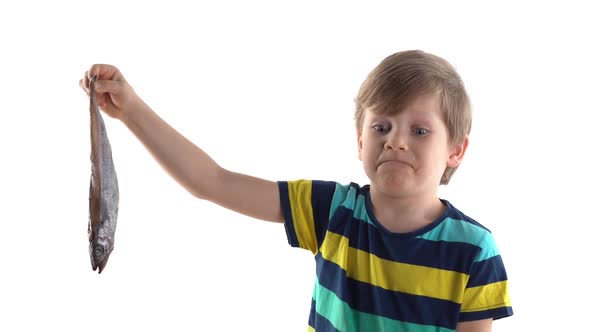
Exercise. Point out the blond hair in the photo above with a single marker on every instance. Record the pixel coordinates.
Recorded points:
(403, 76)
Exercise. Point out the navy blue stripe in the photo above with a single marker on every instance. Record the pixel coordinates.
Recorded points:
(319, 322)
(487, 271)
(286, 206)
(376, 300)
(494, 313)
(312, 314)
(321, 200)
(452, 256)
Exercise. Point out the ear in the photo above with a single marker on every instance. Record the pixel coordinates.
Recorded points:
(359, 139)
(457, 153)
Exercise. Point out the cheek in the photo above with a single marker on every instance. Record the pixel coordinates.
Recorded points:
(433, 155)
(440, 160)
(369, 149)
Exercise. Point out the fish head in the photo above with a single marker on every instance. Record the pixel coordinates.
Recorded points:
(100, 250)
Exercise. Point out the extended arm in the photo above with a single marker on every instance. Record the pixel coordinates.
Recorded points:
(198, 173)
(484, 325)
(190, 166)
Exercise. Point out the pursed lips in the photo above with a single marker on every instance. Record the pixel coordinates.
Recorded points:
(396, 161)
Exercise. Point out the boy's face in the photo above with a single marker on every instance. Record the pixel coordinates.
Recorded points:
(407, 153)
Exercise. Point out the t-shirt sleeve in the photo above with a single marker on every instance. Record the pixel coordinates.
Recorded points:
(486, 294)
(306, 208)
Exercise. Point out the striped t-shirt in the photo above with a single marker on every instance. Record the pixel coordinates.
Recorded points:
(370, 279)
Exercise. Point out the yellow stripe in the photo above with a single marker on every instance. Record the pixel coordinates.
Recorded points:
(310, 329)
(401, 277)
(486, 297)
(302, 213)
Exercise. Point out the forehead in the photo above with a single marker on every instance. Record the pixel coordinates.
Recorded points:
(424, 106)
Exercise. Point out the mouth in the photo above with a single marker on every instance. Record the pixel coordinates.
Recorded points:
(103, 264)
(100, 265)
(396, 162)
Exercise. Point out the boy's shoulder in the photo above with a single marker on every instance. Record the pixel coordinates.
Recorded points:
(457, 214)
(459, 227)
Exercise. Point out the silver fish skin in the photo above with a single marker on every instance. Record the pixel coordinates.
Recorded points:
(104, 190)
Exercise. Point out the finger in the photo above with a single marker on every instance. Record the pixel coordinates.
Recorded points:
(84, 82)
(104, 86)
(100, 99)
(105, 72)
(86, 79)
(81, 84)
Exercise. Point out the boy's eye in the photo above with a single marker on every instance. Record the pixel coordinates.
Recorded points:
(380, 128)
(421, 131)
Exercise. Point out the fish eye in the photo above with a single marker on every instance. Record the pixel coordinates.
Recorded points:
(98, 250)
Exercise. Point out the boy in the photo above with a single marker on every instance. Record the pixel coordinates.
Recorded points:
(391, 256)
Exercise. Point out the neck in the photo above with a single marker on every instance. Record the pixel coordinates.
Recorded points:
(404, 214)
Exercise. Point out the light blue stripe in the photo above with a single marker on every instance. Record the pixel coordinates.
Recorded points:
(346, 196)
(453, 230)
(338, 198)
(344, 318)
(360, 211)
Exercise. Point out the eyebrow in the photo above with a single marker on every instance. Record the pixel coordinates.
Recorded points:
(422, 116)
(419, 112)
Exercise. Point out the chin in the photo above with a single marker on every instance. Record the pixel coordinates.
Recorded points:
(394, 187)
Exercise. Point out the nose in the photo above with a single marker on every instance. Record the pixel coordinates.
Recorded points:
(396, 141)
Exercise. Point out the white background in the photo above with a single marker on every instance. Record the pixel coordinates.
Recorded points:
(267, 88)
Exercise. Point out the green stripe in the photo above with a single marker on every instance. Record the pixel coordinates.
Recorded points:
(340, 198)
(347, 319)
(453, 230)
(346, 196)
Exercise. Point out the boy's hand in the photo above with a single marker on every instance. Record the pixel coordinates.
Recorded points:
(114, 95)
